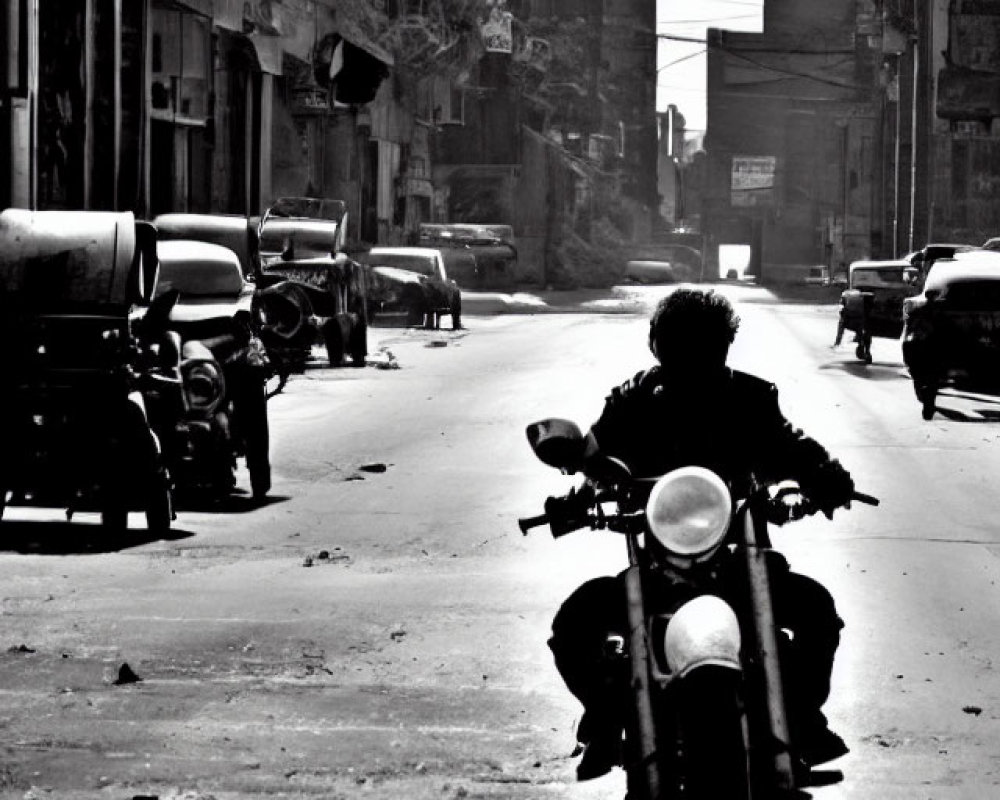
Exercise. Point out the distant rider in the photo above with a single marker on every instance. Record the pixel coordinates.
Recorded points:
(691, 409)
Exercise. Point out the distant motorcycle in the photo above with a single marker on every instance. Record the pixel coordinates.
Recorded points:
(708, 719)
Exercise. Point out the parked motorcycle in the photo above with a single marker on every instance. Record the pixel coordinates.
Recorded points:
(707, 717)
(219, 412)
(78, 373)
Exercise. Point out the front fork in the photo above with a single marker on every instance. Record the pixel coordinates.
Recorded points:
(765, 650)
(642, 702)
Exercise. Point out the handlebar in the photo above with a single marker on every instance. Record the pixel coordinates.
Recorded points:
(557, 514)
(867, 499)
(527, 523)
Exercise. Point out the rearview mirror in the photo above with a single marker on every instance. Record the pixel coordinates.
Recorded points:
(558, 443)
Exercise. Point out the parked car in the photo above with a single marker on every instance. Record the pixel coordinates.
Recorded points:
(297, 228)
(413, 281)
(476, 256)
(223, 372)
(307, 301)
(951, 332)
(79, 369)
(924, 258)
(872, 303)
(240, 234)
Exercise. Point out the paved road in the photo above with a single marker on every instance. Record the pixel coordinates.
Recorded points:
(411, 661)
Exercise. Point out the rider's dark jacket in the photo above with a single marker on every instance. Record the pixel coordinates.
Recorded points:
(731, 425)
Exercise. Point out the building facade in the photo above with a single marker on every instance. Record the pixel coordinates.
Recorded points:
(792, 138)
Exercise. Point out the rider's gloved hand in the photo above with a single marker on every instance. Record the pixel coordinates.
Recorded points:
(788, 505)
(830, 487)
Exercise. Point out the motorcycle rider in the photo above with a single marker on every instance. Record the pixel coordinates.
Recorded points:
(691, 409)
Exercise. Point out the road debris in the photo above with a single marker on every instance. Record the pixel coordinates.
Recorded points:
(383, 359)
(974, 710)
(20, 648)
(126, 675)
(376, 467)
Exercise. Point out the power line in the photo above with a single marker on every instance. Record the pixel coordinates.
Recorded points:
(682, 58)
(699, 21)
(791, 72)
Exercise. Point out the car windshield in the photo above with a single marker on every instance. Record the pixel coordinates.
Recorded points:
(412, 263)
(466, 233)
(199, 279)
(877, 277)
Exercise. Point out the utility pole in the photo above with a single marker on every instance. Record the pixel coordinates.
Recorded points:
(914, 44)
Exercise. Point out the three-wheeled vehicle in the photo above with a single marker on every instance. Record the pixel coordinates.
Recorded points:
(872, 304)
(79, 367)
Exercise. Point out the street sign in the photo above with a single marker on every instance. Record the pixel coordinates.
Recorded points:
(752, 182)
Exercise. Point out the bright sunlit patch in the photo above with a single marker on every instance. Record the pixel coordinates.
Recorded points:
(733, 260)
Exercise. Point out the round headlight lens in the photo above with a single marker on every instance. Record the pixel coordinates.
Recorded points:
(203, 386)
(688, 511)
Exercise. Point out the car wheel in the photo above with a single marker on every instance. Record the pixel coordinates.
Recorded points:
(288, 309)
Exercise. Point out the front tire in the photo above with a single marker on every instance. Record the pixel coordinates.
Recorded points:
(714, 760)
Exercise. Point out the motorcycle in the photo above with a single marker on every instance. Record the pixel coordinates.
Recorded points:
(708, 719)
(218, 411)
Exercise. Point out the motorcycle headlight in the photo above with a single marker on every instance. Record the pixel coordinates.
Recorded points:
(688, 512)
(204, 386)
(703, 631)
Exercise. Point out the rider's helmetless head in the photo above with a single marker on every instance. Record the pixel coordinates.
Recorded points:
(690, 332)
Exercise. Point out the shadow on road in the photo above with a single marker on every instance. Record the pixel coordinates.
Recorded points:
(74, 538)
(876, 371)
(238, 503)
(981, 414)
(976, 397)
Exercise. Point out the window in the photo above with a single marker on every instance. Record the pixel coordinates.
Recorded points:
(447, 103)
(182, 65)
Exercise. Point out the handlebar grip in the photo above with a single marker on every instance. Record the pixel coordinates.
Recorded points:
(527, 523)
(865, 498)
